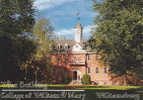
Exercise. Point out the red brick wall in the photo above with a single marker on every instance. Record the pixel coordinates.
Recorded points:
(65, 60)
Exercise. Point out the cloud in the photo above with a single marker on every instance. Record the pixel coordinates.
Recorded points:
(70, 32)
(88, 29)
(65, 32)
(46, 4)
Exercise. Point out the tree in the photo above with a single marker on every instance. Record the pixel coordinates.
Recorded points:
(119, 36)
(42, 33)
(86, 79)
(16, 17)
(16, 22)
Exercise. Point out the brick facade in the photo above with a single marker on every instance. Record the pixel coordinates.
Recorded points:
(82, 63)
(73, 55)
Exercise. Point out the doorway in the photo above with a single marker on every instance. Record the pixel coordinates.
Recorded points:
(74, 75)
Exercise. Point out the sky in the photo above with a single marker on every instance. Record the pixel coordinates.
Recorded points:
(63, 15)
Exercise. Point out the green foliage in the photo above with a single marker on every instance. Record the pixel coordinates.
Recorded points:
(42, 68)
(86, 79)
(16, 22)
(119, 35)
(43, 31)
(16, 17)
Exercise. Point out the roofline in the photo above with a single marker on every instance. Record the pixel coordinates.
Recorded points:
(73, 52)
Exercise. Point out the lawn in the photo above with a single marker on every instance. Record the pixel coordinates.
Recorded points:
(83, 87)
(7, 85)
(89, 87)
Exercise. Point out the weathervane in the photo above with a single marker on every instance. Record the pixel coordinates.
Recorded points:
(78, 16)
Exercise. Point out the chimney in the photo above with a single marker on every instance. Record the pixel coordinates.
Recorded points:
(63, 38)
(56, 38)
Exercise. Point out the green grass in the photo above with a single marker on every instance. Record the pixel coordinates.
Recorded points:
(85, 87)
(7, 85)
(90, 87)
(110, 87)
(57, 85)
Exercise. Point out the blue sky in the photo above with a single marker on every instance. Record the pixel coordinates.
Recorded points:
(62, 14)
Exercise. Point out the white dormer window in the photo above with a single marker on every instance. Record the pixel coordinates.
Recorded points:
(59, 46)
(66, 46)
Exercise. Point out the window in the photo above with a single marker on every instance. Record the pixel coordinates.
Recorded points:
(68, 46)
(113, 83)
(57, 59)
(97, 70)
(65, 58)
(97, 83)
(61, 47)
(76, 46)
(58, 46)
(65, 46)
(122, 83)
(105, 70)
(105, 83)
(89, 70)
(88, 57)
(75, 59)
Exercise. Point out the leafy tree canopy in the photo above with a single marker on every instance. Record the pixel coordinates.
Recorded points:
(16, 22)
(119, 35)
(41, 35)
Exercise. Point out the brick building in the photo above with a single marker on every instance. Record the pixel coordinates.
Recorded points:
(72, 55)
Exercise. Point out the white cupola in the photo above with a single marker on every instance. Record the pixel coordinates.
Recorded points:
(78, 32)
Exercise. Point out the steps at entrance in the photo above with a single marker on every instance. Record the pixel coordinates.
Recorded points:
(75, 82)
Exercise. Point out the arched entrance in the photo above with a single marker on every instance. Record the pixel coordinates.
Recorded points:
(74, 75)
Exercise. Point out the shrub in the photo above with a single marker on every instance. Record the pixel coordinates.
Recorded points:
(86, 79)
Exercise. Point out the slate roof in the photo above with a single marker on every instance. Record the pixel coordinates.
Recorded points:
(65, 45)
